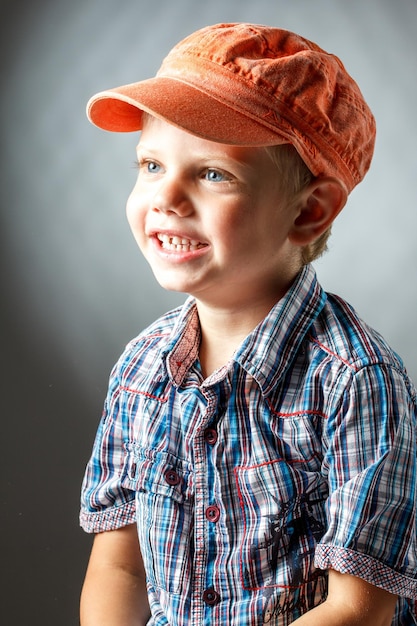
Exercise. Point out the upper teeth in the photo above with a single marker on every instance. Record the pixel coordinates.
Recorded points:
(178, 243)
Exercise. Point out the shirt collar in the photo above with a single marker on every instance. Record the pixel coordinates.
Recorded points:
(269, 349)
(183, 346)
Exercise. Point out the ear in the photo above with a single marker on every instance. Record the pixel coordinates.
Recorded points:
(318, 206)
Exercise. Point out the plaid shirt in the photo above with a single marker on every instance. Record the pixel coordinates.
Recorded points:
(297, 456)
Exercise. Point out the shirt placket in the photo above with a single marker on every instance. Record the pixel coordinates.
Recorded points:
(205, 595)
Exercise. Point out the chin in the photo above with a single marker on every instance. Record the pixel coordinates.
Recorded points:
(171, 285)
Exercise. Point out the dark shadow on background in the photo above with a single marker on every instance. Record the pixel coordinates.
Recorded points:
(47, 430)
(45, 442)
(46, 437)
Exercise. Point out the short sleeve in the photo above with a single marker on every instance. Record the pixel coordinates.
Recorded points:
(370, 462)
(106, 503)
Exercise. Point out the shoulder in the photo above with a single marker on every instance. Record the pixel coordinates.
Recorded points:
(148, 348)
(344, 336)
(357, 366)
(158, 330)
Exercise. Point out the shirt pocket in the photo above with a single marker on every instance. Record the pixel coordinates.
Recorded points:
(283, 519)
(164, 500)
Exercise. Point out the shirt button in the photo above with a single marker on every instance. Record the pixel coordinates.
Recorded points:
(210, 436)
(211, 597)
(213, 513)
(172, 477)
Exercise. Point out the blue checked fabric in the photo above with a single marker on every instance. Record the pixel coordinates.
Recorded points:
(297, 456)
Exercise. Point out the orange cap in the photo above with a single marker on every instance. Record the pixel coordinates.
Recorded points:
(253, 85)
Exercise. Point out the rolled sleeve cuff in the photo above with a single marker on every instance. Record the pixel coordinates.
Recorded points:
(110, 519)
(364, 566)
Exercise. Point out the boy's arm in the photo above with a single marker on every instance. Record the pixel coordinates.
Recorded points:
(114, 591)
(351, 601)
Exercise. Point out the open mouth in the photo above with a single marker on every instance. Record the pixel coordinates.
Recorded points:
(179, 244)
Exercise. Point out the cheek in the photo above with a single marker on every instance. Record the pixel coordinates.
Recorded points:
(136, 219)
(229, 222)
(134, 212)
(130, 210)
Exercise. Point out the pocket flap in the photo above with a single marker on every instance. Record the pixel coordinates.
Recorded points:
(157, 472)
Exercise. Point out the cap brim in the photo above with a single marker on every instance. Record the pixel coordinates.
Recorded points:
(120, 110)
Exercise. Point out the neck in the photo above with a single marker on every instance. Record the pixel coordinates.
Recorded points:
(223, 330)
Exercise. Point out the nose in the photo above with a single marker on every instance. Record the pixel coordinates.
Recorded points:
(171, 197)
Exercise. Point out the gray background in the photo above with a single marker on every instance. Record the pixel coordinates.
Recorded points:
(75, 289)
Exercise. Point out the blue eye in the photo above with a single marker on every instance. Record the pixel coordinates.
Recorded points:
(215, 176)
(152, 167)
(147, 166)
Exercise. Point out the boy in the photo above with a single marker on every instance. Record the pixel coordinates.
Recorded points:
(256, 458)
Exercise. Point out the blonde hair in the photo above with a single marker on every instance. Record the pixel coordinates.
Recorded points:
(296, 176)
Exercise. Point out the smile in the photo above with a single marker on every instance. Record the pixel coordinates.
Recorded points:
(179, 244)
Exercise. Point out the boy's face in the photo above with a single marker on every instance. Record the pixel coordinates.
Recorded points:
(211, 219)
